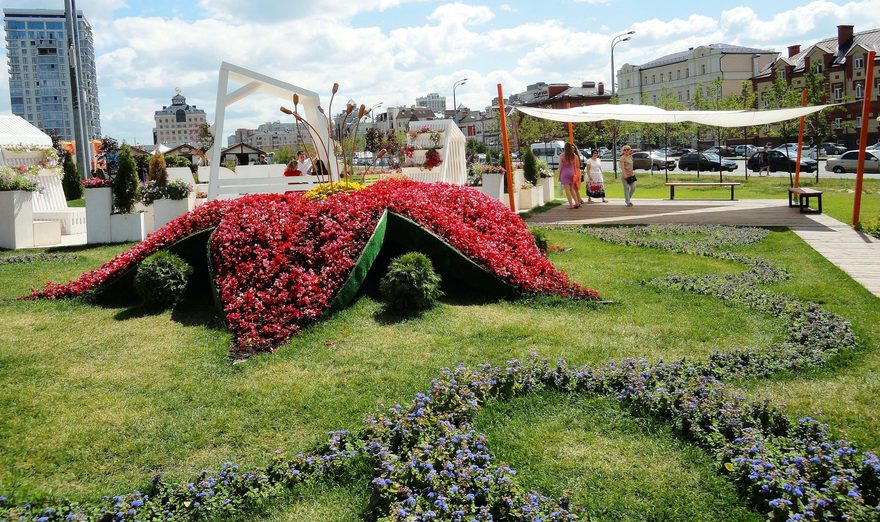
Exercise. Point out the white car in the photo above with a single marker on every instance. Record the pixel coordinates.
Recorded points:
(849, 162)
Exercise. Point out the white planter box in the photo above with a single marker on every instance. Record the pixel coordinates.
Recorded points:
(548, 186)
(16, 219)
(423, 141)
(99, 205)
(527, 198)
(538, 195)
(165, 210)
(493, 186)
(127, 227)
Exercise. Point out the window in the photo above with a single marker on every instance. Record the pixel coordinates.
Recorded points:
(782, 72)
(703, 69)
(858, 122)
(851, 155)
(627, 84)
(838, 91)
(689, 95)
(687, 72)
(653, 98)
(653, 79)
(817, 68)
(860, 91)
(678, 74)
(679, 95)
(859, 62)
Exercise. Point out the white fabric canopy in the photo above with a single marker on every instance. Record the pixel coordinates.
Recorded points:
(16, 131)
(651, 114)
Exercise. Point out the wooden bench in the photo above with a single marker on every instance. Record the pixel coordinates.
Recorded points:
(803, 202)
(672, 185)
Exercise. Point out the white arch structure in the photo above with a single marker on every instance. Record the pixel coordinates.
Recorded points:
(252, 83)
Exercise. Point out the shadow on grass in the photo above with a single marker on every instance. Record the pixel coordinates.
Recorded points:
(193, 310)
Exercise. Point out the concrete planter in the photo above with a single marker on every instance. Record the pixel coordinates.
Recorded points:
(165, 210)
(548, 187)
(493, 186)
(16, 219)
(528, 198)
(99, 206)
(127, 227)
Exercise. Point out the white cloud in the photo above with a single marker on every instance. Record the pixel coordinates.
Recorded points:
(507, 8)
(268, 11)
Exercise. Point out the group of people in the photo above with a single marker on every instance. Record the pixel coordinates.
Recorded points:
(302, 166)
(570, 176)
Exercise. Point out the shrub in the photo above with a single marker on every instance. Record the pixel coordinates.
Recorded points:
(871, 226)
(162, 278)
(125, 183)
(540, 239)
(411, 284)
(530, 167)
(158, 171)
(11, 179)
(178, 161)
(71, 182)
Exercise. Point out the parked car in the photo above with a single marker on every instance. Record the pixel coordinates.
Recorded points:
(745, 150)
(652, 161)
(706, 161)
(550, 152)
(724, 152)
(681, 151)
(832, 149)
(848, 162)
(791, 148)
(780, 161)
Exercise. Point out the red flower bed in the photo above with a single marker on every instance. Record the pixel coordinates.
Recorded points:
(279, 260)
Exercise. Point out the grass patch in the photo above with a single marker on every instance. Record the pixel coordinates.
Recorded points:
(97, 399)
(617, 466)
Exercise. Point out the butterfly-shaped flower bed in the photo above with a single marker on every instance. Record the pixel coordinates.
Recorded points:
(280, 262)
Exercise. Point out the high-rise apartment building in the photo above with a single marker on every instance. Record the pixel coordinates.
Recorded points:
(433, 101)
(39, 71)
(178, 123)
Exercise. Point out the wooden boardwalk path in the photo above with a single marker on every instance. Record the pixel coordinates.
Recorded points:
(855, 253)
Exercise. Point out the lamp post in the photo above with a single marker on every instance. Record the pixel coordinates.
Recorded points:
(454, 105)
(372, 117)
(622, 37)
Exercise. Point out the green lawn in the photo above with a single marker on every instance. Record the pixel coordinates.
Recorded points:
(98, 399)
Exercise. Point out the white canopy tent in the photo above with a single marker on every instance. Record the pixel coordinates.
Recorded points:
(650, 114)
(15, 132)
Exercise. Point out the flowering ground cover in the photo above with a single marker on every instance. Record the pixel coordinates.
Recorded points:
(592, 256)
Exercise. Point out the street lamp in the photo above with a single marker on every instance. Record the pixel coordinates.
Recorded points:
(622, 37)
(455, 86)
(372, 116)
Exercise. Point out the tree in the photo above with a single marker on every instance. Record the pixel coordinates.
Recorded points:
(158, 171)
(589, 135)
(817, 124)
(539, 130)
(530, 167)
(175, 160)
(72, 184)
(108, 152)
(125, 182)
(284, 154)
(781, 95)
(373, 139)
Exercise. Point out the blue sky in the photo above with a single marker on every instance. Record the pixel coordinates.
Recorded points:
(392, 51)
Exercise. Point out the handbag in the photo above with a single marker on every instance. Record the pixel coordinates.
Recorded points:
(632, 179)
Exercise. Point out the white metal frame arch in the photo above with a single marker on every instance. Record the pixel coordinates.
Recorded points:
(251, 83)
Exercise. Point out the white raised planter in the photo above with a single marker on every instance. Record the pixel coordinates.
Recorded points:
(528, 198)
(99, 206)
(165, 210)
(424, 141)
(127, 227)
(538, 195)
(548, 187)
(493, 186)
(16, 219)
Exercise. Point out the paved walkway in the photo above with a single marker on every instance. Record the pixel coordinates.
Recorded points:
(855, 253)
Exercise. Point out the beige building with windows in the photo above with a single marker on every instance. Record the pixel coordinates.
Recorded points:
(178, 123)
(681, 74)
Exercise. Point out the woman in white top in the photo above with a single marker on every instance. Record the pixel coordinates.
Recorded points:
(595, 180)
(303, 164)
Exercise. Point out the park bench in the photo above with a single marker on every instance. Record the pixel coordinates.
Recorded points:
(50, 205)
(672, 185)
(803, 199)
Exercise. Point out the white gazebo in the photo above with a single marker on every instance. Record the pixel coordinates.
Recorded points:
(20, 142)
(252, 83)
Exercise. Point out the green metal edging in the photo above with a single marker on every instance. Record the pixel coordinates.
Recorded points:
(349, 290)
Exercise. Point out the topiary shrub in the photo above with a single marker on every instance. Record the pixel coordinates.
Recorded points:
(71, 182)
(158, 170)
(411, 284)
(540, 239)
(125, 184)
(161, 279)
(530, 167)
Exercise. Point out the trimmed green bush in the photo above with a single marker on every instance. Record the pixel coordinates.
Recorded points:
(157, 170)
(411, 284)
(540, 239)
(125, 184)
(871, 226)
(530, 167)
(71, 182)
(161, 279)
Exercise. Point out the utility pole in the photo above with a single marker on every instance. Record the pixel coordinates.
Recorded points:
(77, 96)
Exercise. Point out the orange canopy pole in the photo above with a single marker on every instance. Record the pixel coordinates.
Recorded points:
(863, 135)
(506, 149)
(797, 166)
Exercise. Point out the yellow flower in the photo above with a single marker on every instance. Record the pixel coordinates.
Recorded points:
(325, 190)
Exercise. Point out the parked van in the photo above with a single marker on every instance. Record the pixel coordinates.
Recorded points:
(550, 152)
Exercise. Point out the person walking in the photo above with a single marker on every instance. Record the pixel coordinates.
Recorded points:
(764, 160)
(569, 167)
(628, 176)
(595, 180)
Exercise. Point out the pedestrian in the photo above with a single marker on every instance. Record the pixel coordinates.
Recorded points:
(291, 170)
(595, 180)
(303, 164)
(628, 178)
(764, 159)
(569, 167)
(262, 160)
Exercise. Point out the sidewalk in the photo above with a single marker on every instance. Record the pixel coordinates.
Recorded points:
(855, 253)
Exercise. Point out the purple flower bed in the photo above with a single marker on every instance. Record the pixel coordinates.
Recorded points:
(430, 464)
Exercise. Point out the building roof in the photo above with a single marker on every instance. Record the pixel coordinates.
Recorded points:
(242, 148)
(178, 102)
(17, 131)
(868, 40)
(682, 56)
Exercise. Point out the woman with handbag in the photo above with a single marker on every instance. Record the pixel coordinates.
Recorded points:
(569, 168)
(629, 177)
(595, 180)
